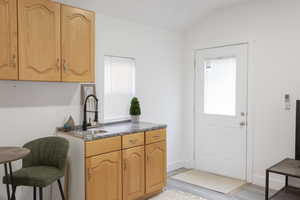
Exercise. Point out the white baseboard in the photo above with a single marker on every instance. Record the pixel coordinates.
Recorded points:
(181, 164)
(274, 183)
(176, 165)
(189, 164)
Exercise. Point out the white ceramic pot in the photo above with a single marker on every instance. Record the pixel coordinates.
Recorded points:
(135, 118)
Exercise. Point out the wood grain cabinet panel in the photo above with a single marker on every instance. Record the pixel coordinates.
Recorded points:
(104, 177)
(106, 145)
(8, 40)
(155, 167)
(133, 140)
(78, 45)
(155, 136)
(39, 40)
(133, 173)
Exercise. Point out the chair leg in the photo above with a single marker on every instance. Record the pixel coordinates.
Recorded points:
(34, 193)
(13, 187)
(13, 195)
(61, 190)
(7, 185)
(41, 193)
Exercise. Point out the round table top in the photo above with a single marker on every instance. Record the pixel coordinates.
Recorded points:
(9, 154)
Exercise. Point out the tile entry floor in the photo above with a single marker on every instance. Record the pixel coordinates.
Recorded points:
(247, 192)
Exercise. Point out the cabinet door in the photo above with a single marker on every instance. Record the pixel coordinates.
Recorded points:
(155, 167)
(133, 173)
(78, 29)
(104, 177)
(8, 40)
(39, 40)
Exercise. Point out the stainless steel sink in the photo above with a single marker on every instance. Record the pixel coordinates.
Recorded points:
(96, 131)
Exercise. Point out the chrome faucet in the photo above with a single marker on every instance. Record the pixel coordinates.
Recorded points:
(85, 124)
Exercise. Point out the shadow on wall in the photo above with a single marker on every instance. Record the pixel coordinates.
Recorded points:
(36, 94)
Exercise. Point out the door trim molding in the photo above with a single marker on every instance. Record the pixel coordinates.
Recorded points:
(249, 134)
(216, 47)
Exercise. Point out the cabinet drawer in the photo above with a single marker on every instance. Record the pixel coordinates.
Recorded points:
(155, 136)
(133, 140)
(100, 146)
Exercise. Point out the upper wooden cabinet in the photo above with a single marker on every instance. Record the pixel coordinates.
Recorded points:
(39, 40)
(42, 40)
(8, 40)
(78, 42)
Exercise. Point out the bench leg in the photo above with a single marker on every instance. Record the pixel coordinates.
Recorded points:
(267, 186)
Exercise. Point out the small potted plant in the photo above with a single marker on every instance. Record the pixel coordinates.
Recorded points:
(135, 110)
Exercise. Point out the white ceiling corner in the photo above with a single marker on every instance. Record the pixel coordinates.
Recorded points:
(169, 14)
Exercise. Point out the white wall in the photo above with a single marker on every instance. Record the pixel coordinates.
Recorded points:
(158, 55)
(272, 29)
(29, 110)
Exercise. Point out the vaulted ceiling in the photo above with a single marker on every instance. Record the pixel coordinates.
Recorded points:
(169, 14)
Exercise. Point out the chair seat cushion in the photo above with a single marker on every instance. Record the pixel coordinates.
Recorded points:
(39, 176)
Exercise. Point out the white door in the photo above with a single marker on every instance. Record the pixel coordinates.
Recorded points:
(221, 110)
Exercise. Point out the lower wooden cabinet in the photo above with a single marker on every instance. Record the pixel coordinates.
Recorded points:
(155, 167)
(104, 177)
(133, 173)
(117, 168)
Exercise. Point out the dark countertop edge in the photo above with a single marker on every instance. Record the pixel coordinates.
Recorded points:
(120, 133)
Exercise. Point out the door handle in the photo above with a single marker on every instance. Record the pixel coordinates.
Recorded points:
(242, 123)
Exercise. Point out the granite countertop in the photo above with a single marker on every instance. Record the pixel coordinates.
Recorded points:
(113, 129)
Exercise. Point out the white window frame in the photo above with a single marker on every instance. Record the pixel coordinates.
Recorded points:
(121, 118)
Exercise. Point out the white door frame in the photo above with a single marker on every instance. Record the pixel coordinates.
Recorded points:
(249, 134)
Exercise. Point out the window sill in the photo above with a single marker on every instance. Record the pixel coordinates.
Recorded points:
(117, 120)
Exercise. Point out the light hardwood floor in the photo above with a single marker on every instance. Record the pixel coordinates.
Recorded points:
(247, 192)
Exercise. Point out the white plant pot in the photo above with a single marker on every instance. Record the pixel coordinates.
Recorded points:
(135, 118)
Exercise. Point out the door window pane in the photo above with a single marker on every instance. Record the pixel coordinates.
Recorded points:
(220, 86)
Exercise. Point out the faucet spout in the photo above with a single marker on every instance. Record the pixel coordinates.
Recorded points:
(85, 124)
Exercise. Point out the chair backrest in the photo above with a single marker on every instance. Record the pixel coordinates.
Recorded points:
(48, 151)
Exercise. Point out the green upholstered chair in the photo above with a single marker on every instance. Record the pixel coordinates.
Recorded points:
(44, 165)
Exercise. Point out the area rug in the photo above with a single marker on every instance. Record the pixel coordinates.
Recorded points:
(210, 181)
(176, 195)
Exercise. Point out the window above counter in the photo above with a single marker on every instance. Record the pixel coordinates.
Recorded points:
(119, 87)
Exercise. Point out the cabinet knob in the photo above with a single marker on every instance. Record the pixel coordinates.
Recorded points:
(65, 65)
(14, 61)
(89, 174)
(156, 136)
(58, 64)
(125, 164)
(133, 141)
